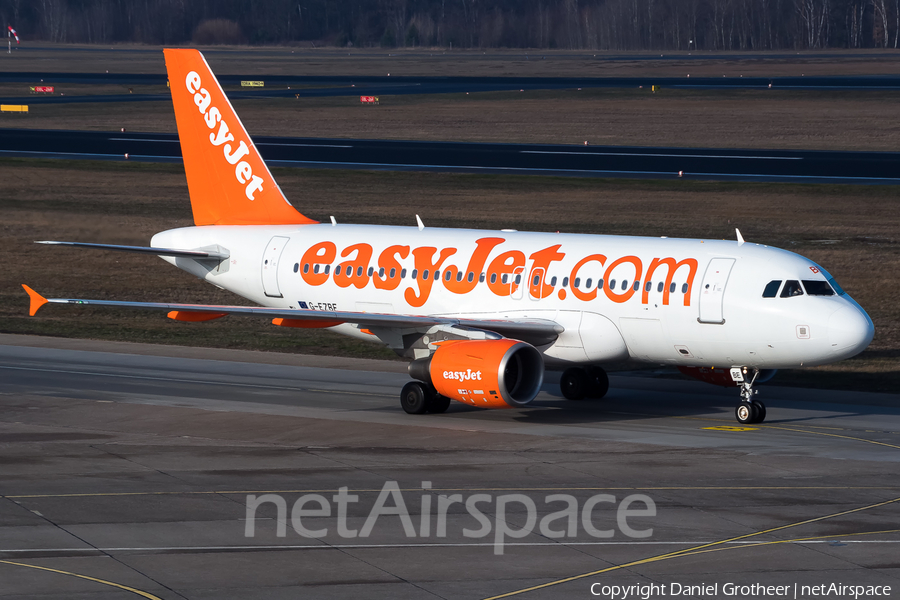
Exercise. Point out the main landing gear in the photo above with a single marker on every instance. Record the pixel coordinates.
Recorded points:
(748, 411)
(579, 383)
(416, 398)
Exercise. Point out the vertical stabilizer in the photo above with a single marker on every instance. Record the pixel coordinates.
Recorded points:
(228, 181)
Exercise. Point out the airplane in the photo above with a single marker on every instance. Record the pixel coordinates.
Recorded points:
(482, 314)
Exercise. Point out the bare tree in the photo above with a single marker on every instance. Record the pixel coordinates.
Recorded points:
(880, 31)
(814, 18)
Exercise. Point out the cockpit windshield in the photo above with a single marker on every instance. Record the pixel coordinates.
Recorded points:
(772, 289)
(817, 288)
(791, 288)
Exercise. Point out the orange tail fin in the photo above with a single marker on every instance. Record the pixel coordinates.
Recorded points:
(228, 181)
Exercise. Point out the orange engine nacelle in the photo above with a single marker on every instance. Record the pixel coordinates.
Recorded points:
(488, 373)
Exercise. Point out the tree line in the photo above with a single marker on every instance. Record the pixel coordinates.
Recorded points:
(567, 24)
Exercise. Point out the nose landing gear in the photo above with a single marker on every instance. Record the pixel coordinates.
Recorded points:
(748, 411)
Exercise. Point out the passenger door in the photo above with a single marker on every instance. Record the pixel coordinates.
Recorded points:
(271, 258)
(712, 290)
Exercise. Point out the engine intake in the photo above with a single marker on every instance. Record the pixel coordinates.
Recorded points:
(488, 373)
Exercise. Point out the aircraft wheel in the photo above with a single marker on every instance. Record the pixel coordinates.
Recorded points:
(438, 404)
(574, 383)
(760, 411)
(413, 398)
(598, 381)
(746, 413)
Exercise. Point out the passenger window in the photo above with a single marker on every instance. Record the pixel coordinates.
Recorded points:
(565, 282)
(493, 278)
(637, 285)
(358, 271)
(600, 285)
(437, 275)
(612, 284)
(337, 270)
(684, 288)
(587, 284)
(381, 273)
(425, 274)
(772, 289)
(296, 267)
(553, 281)
(791, 288)
(817, 288)
(327, 269)
(471, 277)
(536, 280)
(577, 282)
(481, 278)
(306, 268)
(649, 286)
(659, 288)
(505, 278)
(415, 274)
(393, 273)
(518, 279)
(402, 273)
(459, 276)
(672, 288)
(316, 268)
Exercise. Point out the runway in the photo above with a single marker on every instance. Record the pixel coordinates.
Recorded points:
(131, 464)
(534, 159)
(317, 86)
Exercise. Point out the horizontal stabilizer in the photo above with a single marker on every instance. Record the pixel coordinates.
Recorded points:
(197, 254)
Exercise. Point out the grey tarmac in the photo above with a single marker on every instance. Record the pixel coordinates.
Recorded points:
(125, 471)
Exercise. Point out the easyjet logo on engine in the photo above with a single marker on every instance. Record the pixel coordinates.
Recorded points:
(504, 273)
(467, 375)
(243, 172)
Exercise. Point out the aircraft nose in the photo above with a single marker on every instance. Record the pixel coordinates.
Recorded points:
(850, 330)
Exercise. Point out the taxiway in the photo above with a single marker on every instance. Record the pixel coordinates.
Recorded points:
(127, 467)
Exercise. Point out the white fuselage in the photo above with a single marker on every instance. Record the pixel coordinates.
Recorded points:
(670, 301)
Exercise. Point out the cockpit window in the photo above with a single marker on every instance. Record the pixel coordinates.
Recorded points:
(817, 288)
(791, 288)
(772, 289)
(834, 284)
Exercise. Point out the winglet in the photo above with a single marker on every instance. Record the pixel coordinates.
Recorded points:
(420, 223)
(740, 238)
(37, 301)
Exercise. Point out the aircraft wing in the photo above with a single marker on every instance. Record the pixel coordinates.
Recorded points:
(535, 331)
